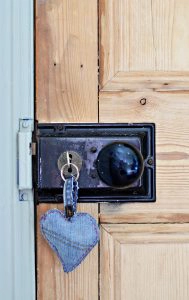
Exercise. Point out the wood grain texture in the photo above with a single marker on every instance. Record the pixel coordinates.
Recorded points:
(66, 61)
(52, 282)
(140, 262)
(143, 35)
(168, 109)
(148, 81)
(138, 213)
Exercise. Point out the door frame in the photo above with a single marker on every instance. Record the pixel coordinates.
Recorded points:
(17, 249)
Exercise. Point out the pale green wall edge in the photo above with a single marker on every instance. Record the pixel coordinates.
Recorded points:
(17, 276)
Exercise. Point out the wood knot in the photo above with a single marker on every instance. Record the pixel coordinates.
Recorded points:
(143, 101)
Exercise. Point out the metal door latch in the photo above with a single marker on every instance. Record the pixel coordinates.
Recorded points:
(24, 158)
(116, 161)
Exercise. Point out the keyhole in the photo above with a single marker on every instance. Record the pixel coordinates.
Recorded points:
(70, 168)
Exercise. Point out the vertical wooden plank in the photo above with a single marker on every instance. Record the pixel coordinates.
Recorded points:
(66, 61)
(110, 12)
(53, 283)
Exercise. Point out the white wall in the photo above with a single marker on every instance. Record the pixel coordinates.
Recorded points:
(17, 278)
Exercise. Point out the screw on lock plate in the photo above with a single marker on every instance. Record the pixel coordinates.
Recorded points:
(74, 158)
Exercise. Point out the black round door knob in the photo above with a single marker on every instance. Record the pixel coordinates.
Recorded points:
(119, 165)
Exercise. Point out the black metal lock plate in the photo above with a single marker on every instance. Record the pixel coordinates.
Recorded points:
(135, 142)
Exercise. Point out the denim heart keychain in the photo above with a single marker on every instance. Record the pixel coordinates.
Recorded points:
(70, 234)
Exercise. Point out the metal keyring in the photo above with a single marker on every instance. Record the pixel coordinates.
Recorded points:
(62, 171)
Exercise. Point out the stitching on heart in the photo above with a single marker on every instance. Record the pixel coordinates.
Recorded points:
(64, 240)
(95, 241)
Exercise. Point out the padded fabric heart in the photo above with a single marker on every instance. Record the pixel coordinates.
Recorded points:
(71, 239)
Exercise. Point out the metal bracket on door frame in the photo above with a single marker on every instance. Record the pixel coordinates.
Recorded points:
(24, 168)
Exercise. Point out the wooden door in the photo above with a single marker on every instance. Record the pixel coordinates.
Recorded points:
(121, 61)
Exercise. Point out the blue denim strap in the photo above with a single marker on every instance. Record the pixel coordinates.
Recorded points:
(70, 196)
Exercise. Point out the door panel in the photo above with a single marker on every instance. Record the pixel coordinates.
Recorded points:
(143, 35)
(144, 77)
(66, 61)
(169, 111)
(53, 283)
(144, 262)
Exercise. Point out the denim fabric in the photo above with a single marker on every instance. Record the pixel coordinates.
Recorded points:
(70, 193)
(72, 239)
